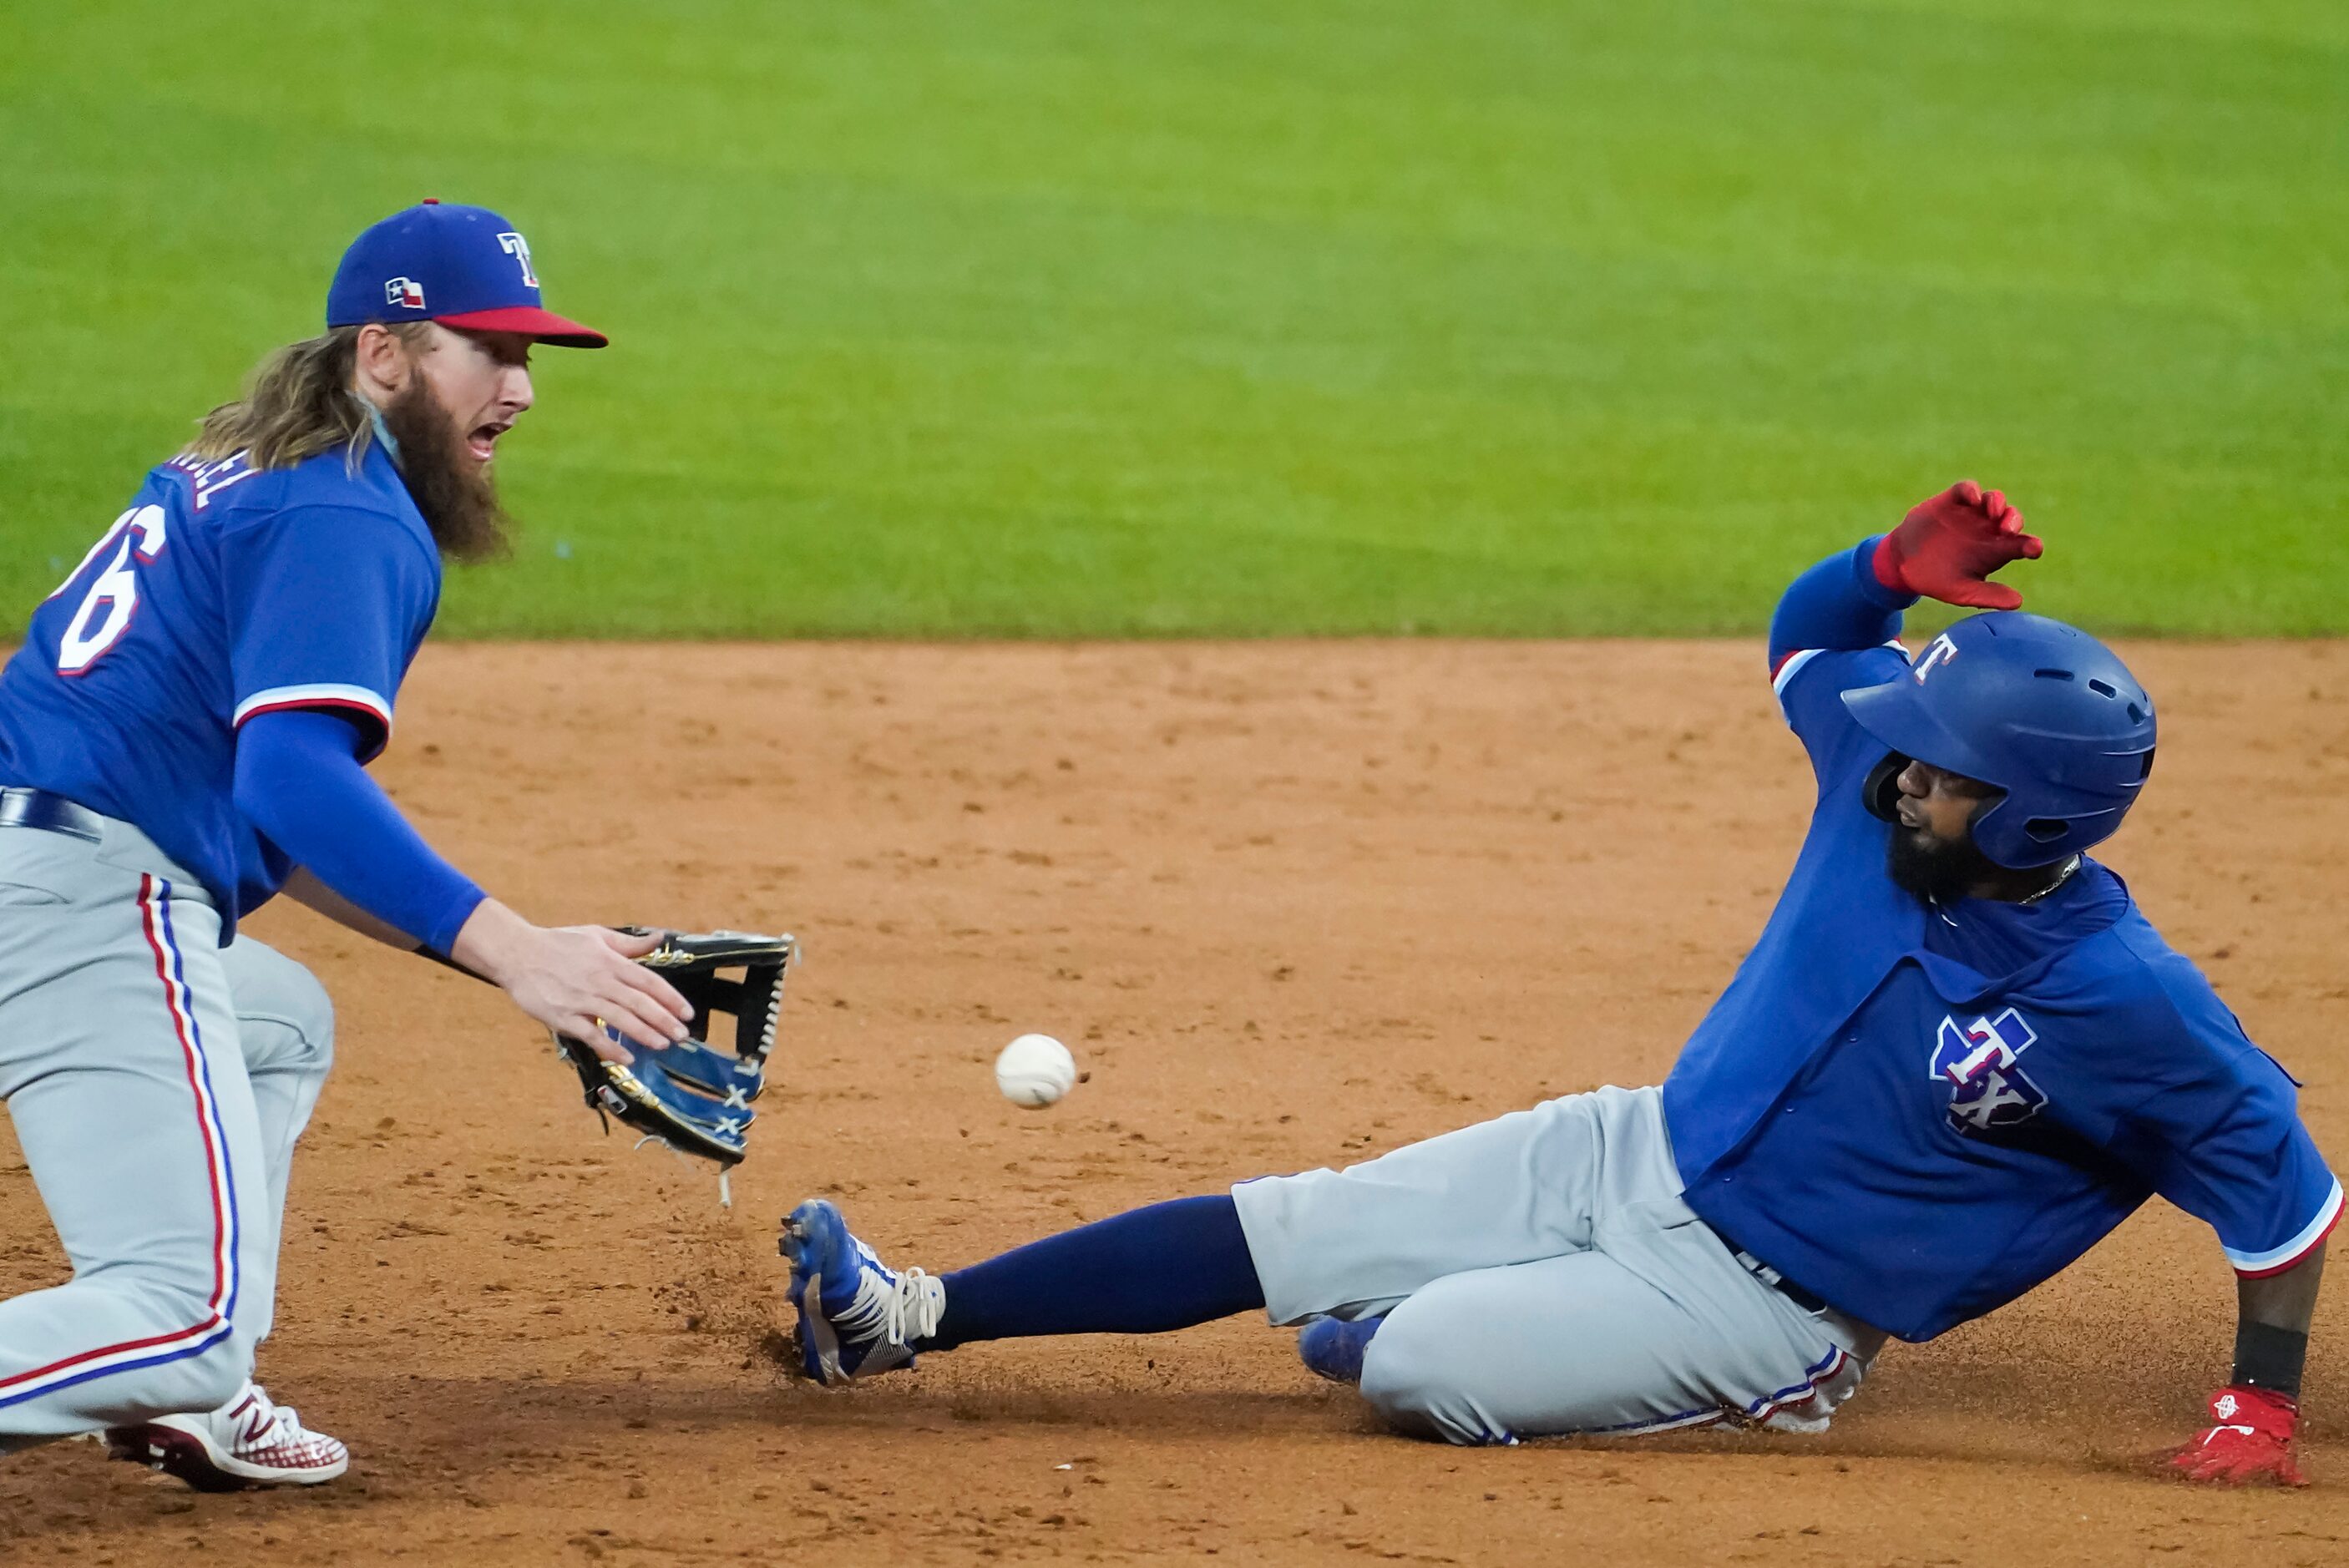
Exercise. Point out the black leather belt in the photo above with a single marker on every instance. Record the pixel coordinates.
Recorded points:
(1804, 1299)
(49, 813)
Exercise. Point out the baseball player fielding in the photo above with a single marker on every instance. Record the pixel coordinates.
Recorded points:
(183, 736)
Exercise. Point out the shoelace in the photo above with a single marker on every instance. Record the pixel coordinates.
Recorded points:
(262, 1423)
(899, 1312)
(269, 1420)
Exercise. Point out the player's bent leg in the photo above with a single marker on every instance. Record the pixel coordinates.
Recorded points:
(1346, 1243)
(1584, 1344)
(1535, 1183)
(285, 1029)
(120, 1059)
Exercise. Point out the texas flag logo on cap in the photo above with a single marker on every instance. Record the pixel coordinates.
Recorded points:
(474, 265)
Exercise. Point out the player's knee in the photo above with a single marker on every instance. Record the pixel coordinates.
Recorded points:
(286, 1012)
(1408, 1378)
(312, 1014)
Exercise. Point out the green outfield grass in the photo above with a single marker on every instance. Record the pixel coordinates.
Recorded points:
(1237, 316)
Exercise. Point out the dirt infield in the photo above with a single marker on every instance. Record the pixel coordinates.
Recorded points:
(1292, 904)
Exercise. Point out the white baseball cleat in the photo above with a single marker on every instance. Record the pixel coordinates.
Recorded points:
(249, 1441)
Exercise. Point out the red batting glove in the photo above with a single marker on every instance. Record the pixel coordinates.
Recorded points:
(2252, 1441)
(1947, 548)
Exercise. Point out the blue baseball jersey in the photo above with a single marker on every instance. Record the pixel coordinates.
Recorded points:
(1919, 1113)
(222, 593)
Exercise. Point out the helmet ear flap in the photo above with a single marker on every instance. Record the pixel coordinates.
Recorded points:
(1881, 790)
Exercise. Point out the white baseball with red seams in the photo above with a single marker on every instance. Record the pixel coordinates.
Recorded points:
(1035, 1071)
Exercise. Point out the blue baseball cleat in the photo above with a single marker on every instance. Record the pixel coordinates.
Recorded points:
(857, 1316)
(1333, 1349)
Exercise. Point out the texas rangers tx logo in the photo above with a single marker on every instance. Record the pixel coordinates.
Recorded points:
(517, 247)
(1936, 653)
(405, 292)
(1988, 1091)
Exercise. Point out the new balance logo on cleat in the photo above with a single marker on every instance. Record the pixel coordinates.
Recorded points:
(250, 1441)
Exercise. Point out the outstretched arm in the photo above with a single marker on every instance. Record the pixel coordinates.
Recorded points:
(2255, 1416)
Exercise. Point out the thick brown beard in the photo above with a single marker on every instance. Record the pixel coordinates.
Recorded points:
(450, 487)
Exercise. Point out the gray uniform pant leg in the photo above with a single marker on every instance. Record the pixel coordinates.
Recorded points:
(285, 1029)
(124, 1074)
(1540, 1275)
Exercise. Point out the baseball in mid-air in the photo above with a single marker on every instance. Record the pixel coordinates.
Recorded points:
(1035, 1070)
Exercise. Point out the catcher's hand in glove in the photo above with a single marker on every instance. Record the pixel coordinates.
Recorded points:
(1946, 549)
(696, 1095)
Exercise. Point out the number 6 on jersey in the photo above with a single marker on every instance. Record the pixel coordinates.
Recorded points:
(113, 598)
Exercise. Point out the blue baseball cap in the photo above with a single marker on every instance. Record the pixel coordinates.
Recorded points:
(460, 266)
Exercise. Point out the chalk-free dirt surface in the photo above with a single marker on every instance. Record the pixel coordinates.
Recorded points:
(1292, 904)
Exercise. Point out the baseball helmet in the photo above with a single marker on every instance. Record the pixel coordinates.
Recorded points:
(2042, 710)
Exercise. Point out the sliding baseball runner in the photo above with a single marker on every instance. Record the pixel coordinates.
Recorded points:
(1958, 1055)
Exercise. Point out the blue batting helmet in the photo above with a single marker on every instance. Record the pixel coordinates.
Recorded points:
(2040, 709)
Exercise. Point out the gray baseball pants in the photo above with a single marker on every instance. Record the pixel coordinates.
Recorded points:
(156, 1082)
(1540, 1275)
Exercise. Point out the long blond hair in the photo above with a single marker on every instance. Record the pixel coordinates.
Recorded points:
(300, 403)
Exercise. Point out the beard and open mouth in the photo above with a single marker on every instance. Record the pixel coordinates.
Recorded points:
(1938, 869)
(448, 475)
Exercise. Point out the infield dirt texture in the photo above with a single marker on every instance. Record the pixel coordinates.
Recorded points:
(1291, 903)
(939, 322)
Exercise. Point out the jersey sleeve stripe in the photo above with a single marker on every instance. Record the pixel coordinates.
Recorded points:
(321, 695)
(1790, 666)
(2276, 1260)
(1787, 669)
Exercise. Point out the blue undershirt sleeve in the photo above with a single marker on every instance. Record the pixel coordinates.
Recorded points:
(300, 783)
(1836, 627)
(1836, 604)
